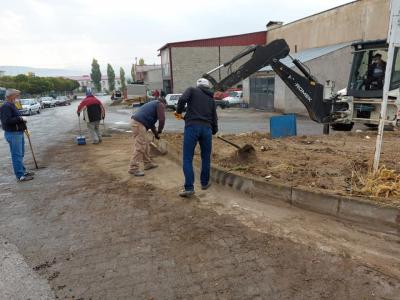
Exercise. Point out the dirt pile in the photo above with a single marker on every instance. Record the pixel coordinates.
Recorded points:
(338, 163)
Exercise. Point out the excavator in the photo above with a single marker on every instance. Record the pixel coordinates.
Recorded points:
(359, 102)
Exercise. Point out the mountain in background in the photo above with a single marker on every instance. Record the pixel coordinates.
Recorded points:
(15, 70)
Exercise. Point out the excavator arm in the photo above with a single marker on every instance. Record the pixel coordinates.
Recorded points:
(304, 86)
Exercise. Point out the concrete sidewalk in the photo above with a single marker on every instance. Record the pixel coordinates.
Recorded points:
(17, 279)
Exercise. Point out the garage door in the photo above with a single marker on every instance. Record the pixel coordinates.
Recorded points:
(262, 93)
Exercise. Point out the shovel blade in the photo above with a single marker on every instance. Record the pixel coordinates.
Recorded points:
(247, 149)
(160, 146)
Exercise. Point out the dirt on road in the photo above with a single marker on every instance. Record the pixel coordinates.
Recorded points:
(95, 232)
(338, 163)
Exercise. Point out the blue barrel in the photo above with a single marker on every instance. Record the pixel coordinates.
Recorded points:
(281, 126)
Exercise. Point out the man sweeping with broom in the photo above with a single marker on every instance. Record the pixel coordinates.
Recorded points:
(14, 126)
(93, 112)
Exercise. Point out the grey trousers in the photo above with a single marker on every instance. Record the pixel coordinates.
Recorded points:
(94, 131)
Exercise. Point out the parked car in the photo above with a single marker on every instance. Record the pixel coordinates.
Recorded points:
(234, 98)
(172, 100)
(29, 106)
(221, 103)
(62, 101)
(47, 102)
(222, 95)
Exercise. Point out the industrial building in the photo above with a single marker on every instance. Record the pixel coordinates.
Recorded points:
(322, 41)
(184, 62)
(150, 75)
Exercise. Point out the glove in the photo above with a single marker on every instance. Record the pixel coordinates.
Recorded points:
(24, 119)
(178, 116)
(157, 136)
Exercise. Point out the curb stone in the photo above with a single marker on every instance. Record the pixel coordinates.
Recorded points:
(349, 208)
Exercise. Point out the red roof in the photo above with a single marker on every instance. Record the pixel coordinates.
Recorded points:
(254, 38)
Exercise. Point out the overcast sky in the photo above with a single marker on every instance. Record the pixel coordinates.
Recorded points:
(69, 33)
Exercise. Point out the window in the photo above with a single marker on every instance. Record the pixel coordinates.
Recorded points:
(368, 72)
(165, 64)
(395, 82)
(263, 85)
(174, 97)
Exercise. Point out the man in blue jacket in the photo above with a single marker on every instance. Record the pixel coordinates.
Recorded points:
(143, 120)
(14, 126)
(201, 122)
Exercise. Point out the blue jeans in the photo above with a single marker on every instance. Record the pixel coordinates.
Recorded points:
(17, 148)
(192, 135)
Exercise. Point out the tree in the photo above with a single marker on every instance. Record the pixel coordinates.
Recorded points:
(141, 62)
(111, 77)
(122, 78)
(133, 73)
(96, 75)
(35, 85)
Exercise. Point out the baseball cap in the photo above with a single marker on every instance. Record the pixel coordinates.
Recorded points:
(12, 92)
(203, 82)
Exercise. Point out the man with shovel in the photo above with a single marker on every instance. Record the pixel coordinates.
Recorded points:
(14, 126)
(144, 119)
(201, 122)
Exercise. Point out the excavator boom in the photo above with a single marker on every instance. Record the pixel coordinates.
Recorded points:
(304, 86)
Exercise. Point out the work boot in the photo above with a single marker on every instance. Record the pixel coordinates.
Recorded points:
(186, 194)
(205, 187)
(25, 178)
(29, 173)
(136, 173)
(150, 166)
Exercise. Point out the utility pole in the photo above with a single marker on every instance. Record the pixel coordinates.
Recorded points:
(394, 42)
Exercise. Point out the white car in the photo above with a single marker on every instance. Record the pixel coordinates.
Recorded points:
(172, 100)
(47, 102)
(29, 106)
(234, 98)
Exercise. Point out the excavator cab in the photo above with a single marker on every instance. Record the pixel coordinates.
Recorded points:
(368, 69)
(365, 88)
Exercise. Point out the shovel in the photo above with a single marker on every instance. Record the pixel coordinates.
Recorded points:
(160, 146)
(243, 152)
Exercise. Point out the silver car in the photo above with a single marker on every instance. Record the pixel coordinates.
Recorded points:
(29, 107)
(172, 100)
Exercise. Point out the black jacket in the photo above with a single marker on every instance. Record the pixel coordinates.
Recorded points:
(201, 108)
(11, 119)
